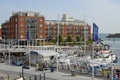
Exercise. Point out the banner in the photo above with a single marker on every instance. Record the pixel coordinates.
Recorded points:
(95, 32)
(28, 35)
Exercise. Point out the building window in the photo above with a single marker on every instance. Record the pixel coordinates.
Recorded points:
(41, 20)
(22, 30)
(16, 20)
(21, 36)
(41, 36)
(54, 31)
(16, 25)
(40, 25)
(21, 25)
(21, 19)
(41, 30)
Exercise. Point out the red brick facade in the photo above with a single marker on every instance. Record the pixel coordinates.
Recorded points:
(67, 28)
(40, 29)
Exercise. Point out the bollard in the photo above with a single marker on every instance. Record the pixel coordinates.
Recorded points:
(8, 77)
(20, 75)
(35, 77)
(40, 77)
(62, 66)
(44, 75)
(29, 78)
(73, 73)
(68, 67)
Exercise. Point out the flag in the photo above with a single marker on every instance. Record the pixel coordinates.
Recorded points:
(95, 32)
(28, 35)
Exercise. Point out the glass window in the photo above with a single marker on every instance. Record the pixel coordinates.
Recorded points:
(41, 36)
(21, 19)
(40, 25)
(22, 25)
(16, 19)
(22, 30)
(41, 30)
(21, 36)
(41, 20)
(16, 25)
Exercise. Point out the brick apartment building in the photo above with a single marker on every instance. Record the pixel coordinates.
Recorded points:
(22, 23)
(68, 26)
(16, 29)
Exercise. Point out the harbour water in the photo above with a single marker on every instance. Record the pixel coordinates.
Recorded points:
(113, 42)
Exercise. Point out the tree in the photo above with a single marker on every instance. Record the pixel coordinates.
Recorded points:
(77, 38)
(89, 40)
(69, 38)
(60, 39)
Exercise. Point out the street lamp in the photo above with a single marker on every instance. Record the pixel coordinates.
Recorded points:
(28, 40)
(85, 33)
(22, 72)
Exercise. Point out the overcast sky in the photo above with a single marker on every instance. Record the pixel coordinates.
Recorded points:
(105, 13)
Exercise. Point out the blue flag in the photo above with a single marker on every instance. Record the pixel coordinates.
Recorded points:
(28, 35)
(95, 32)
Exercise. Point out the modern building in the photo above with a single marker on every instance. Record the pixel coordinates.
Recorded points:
(30, 27)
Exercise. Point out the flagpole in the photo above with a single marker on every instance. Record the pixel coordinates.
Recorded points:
(29, 48)
(57, 41)
(93, 64)
(95, 39)
(28, 42)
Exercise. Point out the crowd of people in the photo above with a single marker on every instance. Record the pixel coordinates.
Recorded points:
(116, 75)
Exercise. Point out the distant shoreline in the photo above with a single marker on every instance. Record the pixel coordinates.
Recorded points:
(116, 35)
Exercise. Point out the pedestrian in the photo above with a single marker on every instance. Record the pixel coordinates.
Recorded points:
(115, 77)
(1, 78)
(108, 76)
(35, 77)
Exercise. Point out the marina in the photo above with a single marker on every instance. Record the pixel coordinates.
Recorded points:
(69, 61)
(59, 40)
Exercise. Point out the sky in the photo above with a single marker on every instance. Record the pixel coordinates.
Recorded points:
(104, 13)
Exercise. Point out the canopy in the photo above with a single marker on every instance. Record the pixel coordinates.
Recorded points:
(44, 53)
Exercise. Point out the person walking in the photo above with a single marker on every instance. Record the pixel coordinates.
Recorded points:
(115, 77)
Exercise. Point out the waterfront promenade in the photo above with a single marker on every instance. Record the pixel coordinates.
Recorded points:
(14, 72)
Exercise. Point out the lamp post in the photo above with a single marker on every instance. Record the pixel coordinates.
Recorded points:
(4, 41)
(22, 72)
(85, 39)
(85, 33)
(29, 44)
(28, 41)
(9, 54)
